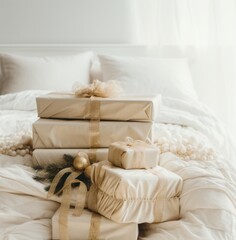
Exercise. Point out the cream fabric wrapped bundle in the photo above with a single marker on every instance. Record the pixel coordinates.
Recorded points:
(44, 157)
(137, 195)
(92, 226)
(133, 154)
(52, 133)
(68, 106)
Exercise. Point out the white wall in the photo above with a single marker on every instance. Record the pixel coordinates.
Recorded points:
(66, 21)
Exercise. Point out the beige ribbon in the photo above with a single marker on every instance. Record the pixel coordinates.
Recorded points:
(163, 194)
(66, 198)
(94, 131)
(94, 226)
(139, 147)
(92, 155)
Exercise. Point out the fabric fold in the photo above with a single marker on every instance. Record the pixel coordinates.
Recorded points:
(134, 195)
(93, 226)
(54, 133)
(127, 108)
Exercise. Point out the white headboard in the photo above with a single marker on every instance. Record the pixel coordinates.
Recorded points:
(66, 49)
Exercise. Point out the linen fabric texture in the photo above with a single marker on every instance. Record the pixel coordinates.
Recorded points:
(169, 77)
(54, 133)
(136, 196)
(68, 106)
(57, 73)
(80, 227)
(133, 155)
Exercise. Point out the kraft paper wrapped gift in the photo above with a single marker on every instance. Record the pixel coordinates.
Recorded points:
(133, 154)
(44, 157)
(136, 195)
(68, 106)
(53, 133)
(80, 228)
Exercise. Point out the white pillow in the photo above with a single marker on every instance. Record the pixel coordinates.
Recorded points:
(44, 73)
(139, 76)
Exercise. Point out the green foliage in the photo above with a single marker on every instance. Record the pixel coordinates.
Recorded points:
(48, 174)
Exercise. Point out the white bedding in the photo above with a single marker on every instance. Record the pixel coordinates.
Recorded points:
(207, 201)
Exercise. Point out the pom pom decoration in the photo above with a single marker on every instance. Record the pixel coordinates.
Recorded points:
(16, 145)
(177, 140)
(98, 89)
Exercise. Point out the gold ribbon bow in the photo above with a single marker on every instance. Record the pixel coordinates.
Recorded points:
(98, 89)
(67, 193)
(93, 91)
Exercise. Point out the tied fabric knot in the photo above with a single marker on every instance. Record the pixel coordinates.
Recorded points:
(98, 89)
(134, 154)
(130, 142)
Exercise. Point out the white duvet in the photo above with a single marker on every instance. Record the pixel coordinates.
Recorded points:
(207, 200)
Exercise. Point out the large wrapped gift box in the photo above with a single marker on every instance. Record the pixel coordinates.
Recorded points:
(138, 195)
(44, 157)
(131, 155)
(68, 106)
(53, 133)
(93, 226)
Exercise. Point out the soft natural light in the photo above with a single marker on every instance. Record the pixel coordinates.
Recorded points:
(203, 31)
(118, 119)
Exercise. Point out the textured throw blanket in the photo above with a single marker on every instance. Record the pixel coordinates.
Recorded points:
(193, 145)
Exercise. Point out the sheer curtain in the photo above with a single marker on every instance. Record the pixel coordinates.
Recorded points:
(205, 32)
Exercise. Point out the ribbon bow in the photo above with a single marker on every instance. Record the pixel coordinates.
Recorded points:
(99, 89)
(81, 162)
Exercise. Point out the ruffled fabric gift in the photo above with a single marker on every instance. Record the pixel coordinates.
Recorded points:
(137, 196)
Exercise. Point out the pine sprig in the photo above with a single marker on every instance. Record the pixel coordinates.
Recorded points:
(69, 159)
(48, 174)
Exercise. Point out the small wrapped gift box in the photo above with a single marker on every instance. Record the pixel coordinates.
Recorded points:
(137, 195)
(53, 133)
(44, 157)
(90, 225)
(68, 106)
(133, 154)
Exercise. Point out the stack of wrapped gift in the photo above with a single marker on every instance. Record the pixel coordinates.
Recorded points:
(126, 190)
(69, 124)
(131, 188)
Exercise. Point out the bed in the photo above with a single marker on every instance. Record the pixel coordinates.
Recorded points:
(193, 142)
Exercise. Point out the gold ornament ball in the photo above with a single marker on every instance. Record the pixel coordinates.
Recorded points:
(80, 163)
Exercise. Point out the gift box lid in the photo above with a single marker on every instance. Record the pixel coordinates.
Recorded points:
(126, 108)
(133, 154)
